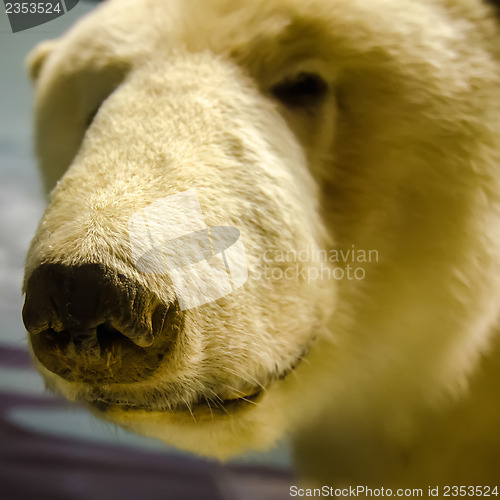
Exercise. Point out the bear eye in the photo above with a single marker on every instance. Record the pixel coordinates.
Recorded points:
(91, 116)
(302, 90)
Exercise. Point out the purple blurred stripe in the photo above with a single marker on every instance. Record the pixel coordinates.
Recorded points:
(15, 357)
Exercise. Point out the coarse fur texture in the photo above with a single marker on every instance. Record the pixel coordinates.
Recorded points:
(399, 156)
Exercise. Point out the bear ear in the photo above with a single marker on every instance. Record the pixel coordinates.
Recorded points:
(37, 57)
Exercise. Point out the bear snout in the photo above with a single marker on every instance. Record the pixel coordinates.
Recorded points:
(90, 324)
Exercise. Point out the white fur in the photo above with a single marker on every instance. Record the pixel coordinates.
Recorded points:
(401, 158)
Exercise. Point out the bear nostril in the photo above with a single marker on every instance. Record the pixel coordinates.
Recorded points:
(94, 342)
(107, 337)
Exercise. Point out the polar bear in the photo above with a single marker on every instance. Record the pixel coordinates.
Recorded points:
(354, 148)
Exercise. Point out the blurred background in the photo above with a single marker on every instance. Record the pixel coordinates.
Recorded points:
(50, 449)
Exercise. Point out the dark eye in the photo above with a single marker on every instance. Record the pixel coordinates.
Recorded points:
(91, 116)
(302, 90)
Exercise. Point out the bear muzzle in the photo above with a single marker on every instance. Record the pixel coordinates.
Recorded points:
(90, 324)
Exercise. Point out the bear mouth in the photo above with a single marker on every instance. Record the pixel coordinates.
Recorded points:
(214, 406)
(204, 405)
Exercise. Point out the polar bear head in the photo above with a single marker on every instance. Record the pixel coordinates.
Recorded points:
(208, 162)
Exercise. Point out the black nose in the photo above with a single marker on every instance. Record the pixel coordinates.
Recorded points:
(82, 316)
(79, 300)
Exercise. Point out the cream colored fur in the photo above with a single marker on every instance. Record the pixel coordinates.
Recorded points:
(402, 157)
